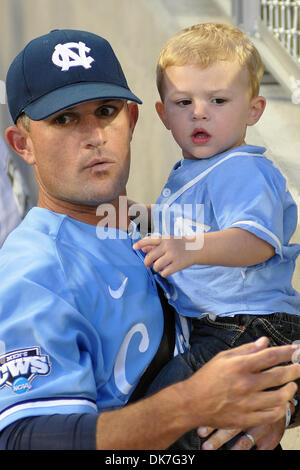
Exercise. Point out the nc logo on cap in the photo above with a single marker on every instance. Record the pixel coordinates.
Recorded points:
(65, 57)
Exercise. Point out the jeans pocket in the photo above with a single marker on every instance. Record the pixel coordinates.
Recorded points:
(227, 331)
(278, 331)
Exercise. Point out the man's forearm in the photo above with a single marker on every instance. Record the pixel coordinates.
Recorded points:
(229, 391)
(152, 423)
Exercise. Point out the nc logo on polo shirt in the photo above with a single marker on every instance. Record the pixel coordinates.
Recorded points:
(64, 56)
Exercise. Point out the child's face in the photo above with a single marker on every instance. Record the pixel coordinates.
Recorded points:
(208, 110)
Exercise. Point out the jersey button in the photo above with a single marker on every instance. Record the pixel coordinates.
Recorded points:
(166, 192)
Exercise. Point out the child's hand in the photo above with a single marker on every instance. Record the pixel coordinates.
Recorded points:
(167, 255)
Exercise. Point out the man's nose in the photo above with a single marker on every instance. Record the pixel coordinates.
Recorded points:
(94, 131)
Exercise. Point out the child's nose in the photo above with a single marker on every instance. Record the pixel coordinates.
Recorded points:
(200, 111)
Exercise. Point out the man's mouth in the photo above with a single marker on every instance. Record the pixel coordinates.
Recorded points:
(99, 165)
(200, 136)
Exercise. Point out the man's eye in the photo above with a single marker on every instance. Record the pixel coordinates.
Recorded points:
(107, 111)
(63, 119)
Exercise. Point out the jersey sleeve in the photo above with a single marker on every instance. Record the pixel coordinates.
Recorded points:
(56, 432)
(46, 344)
(249, 192)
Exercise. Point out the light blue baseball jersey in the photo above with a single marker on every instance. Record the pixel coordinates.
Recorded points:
(80, 318)
(238, 188)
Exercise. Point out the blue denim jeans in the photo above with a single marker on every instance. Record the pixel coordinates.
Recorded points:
(209, 337)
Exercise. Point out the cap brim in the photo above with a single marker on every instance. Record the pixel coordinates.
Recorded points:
(76, 93)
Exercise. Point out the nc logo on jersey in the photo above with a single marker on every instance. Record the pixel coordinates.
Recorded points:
(64, 56)
(19, 368)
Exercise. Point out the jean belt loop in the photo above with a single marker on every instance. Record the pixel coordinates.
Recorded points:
(211, 316)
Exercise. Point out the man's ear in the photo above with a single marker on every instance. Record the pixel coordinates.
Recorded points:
(133, 115)
(18, 139)
(257, 107)
(160, 109)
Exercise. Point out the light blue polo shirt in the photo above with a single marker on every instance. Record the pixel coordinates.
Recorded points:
(238, 188)
(80, 318)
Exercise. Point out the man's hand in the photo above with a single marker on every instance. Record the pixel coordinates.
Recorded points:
(227, 393)
(234, 386)
(266, 437)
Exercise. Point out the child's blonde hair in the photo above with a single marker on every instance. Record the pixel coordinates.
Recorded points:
(207, 43)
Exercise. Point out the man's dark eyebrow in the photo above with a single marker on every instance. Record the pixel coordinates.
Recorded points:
(105, 100)
(99, 102)
(109, 100)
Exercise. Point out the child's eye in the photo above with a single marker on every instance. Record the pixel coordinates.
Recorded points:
(183, 102)
(219, 100)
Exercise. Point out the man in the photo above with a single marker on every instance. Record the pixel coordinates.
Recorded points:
(80, 314)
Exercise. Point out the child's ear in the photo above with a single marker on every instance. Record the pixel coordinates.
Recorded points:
(257, 107)
(160, 109)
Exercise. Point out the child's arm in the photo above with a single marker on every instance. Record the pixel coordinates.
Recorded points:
(230, 247)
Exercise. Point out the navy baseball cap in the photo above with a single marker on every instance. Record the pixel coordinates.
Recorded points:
(61, 69)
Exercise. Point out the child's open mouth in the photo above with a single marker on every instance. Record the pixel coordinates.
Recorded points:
(200, 136)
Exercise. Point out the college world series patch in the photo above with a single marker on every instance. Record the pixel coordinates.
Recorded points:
(19, 368)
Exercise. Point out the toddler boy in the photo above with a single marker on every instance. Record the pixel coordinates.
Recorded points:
(225, 217)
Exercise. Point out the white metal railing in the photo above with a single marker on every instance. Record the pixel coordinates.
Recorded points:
(282, 18)
(274, 27)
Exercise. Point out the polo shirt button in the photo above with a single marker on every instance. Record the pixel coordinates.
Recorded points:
(166, 192)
